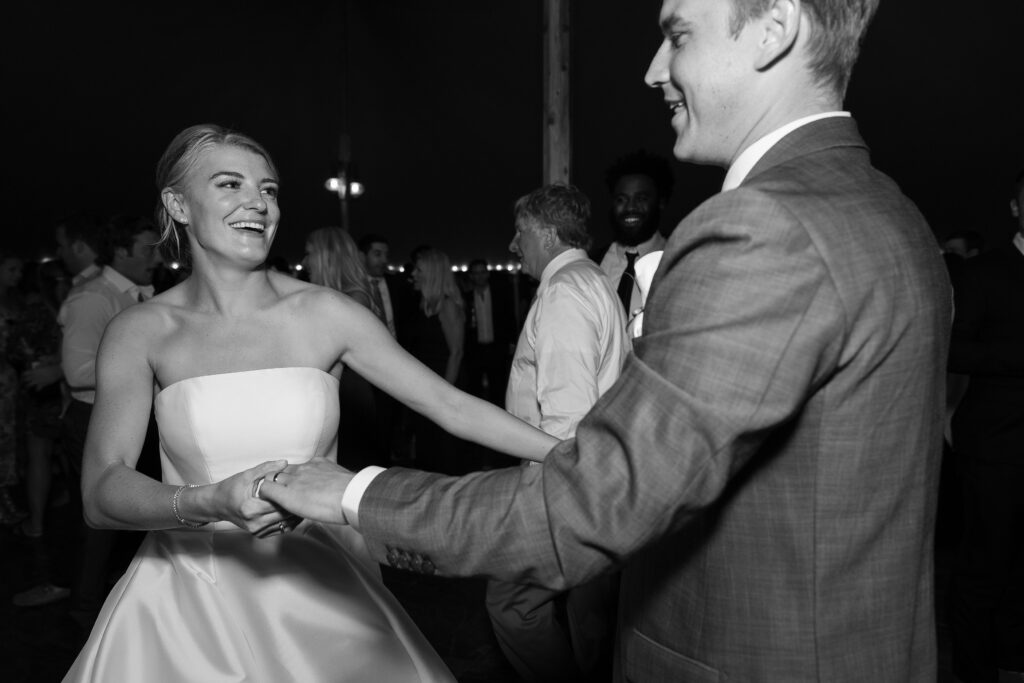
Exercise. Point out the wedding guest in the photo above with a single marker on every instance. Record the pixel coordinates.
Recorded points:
(77, 243)
(765, 468)
(38, 352)
(490, 333)
(11, 512)
(391, 419)
(125, 247)
(241, 364)
(569, 353)
(640, 185)
(435, 336)
(374, 250)
(333, 260)
(77, 237)
(987, 591)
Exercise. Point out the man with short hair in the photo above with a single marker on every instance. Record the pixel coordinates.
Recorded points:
(393, 295)
(986, 615)
(765, 468)
(75, 238)
(569, 352)
(374, 250)
(126, 249)
(640, 185)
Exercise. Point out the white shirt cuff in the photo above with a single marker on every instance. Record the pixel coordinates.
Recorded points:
(353, 494)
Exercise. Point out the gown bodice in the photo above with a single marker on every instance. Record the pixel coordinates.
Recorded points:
(214, 426)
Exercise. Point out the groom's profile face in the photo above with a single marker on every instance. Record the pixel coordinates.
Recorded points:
(705, 70)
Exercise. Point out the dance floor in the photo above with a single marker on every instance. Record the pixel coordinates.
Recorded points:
(38, 644)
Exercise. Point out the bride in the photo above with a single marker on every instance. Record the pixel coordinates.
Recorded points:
(241, 366)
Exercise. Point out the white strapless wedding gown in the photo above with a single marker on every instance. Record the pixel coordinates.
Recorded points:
(217, 604)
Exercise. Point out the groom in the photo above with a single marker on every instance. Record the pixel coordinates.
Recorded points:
(765, 468)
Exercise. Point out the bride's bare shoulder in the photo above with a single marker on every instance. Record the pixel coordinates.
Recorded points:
(306, 297)
(145, 324)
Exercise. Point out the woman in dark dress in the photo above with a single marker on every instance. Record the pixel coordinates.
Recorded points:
(435, 338)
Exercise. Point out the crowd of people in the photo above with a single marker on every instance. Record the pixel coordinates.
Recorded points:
(714, 450)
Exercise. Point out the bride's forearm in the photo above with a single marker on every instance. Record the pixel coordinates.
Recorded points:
(490, 426)
(122, 498)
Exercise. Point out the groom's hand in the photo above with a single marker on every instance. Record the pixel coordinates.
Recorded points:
(312, 490)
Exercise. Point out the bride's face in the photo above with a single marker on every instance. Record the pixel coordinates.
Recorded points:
(230, 203)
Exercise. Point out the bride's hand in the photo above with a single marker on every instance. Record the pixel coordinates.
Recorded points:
(240, 503)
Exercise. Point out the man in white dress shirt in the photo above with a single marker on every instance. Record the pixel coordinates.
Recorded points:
(126, 247)
(640, 185)
(569, 352)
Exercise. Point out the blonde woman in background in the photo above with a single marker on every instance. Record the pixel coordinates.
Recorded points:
(333, 260)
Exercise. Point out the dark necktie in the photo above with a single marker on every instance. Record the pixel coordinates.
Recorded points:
(626, 282)
(378, 299)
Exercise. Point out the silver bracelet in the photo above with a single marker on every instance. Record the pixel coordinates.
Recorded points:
(174, 506)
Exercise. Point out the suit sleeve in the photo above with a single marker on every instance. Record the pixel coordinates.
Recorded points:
(743, 323)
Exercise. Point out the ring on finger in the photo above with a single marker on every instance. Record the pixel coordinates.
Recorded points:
(281, 527)
(256, 486)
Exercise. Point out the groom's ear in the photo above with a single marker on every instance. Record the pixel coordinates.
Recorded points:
(779, 26)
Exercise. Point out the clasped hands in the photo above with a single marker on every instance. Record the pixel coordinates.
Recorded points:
(282, 495)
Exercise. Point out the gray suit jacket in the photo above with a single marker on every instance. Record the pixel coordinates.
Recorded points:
(766, 467)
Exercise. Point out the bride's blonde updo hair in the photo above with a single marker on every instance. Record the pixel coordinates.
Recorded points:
(177, 162)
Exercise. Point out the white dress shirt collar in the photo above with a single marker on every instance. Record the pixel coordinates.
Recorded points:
(87, 273)
(124, 285)
(555, 264)
(749, 157)
(652, 243)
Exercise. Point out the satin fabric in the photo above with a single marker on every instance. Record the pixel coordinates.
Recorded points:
(216, 603)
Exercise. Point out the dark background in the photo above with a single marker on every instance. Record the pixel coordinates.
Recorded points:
(443, 104)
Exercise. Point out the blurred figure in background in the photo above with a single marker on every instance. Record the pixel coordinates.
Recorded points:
(987, 593)
(957, 247)
(332, 260)
(126, 248)
(38, 352)
(374, 253)
(435, 337)
(490, 333)
(10, 310)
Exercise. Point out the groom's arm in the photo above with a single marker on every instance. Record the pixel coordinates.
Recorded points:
(743, 322)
